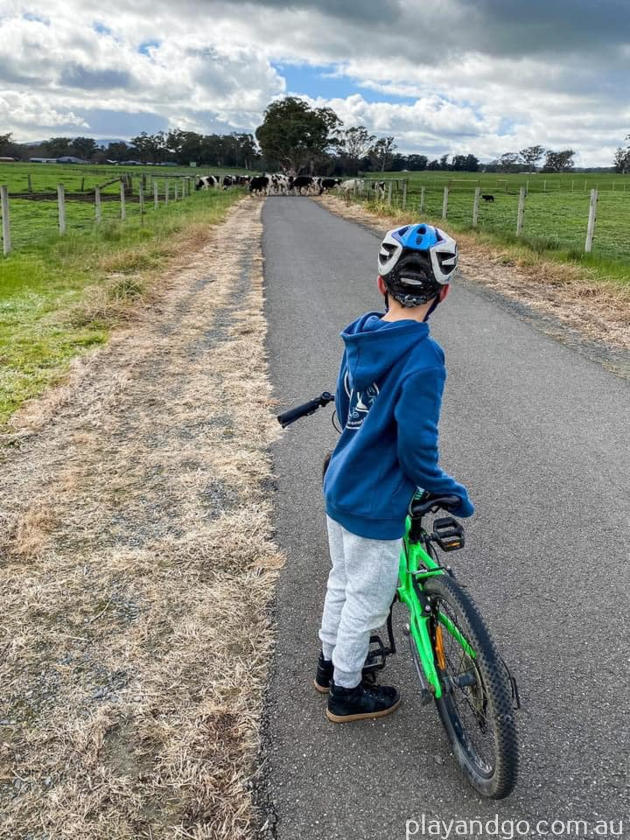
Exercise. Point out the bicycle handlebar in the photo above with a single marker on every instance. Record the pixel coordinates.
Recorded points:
(305, 409)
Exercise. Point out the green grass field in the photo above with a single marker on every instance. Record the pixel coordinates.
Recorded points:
(60, 295)
(556, 210)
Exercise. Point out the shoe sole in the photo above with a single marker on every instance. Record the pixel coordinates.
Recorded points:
(365, 716)
(321, 688)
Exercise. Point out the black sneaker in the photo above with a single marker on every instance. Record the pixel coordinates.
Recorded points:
(361, 702)
(324, 675)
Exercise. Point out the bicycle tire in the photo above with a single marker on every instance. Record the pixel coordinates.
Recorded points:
(489, 698)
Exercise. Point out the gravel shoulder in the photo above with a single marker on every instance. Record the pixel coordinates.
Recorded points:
(137, 565)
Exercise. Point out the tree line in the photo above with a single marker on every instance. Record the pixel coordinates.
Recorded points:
(295, 138)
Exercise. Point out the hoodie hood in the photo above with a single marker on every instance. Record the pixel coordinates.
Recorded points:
(373, 346)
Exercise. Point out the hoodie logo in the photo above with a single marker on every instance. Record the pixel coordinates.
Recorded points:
(360, 402)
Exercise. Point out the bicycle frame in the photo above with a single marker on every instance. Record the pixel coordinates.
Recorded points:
(416, 565)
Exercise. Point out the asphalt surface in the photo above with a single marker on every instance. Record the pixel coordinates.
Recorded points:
(538, 433)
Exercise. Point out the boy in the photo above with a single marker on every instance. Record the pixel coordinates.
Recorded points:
(388, 400)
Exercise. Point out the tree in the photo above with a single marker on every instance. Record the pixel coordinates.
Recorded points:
(118, 150)
(247, 151)
(433, 165)
(444, 162)
(416, 163)
(381, 152)
(559, 161)
(84, 147)
(57, 146)
(297, 136)
(530, 156)
(356, 143)
(509, 162)
(150, 148)
(622, 158)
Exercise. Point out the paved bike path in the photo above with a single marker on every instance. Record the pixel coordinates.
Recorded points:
(538, 434)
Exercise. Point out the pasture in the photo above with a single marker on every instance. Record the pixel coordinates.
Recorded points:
(59, 295)
(34, 220)
(555, 216)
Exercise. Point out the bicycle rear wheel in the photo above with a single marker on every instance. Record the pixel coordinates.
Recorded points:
(476, 703)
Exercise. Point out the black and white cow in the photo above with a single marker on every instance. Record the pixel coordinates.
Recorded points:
(329, 183)
(302, 184)
(207, 182)
(259, 184)
(378, 188)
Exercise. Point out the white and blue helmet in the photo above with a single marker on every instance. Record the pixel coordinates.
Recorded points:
(415, 260)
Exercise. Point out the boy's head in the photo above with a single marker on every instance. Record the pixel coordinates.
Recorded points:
(416, 263)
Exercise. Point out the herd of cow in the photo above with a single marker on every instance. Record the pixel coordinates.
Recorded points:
(279, 184)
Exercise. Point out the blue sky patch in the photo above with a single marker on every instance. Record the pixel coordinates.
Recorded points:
(325, 81)
(99, 27)
(38, 18)
(148, 45)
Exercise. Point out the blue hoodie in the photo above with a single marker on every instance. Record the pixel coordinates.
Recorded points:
(388, 400)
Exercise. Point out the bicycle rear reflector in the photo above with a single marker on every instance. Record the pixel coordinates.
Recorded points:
(448, 533)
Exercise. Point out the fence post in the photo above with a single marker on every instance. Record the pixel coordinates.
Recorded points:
(445, 203)
(123, 209)
(404, 195)
(521, 211)
(97, 204)
(421, 207)
(61, 204)
(545, 186)
(141, 198)
(175, 190)
(156, 200)
(6, 226)
(475, 217)
(592, 218)
(166, 190)
(389, 193)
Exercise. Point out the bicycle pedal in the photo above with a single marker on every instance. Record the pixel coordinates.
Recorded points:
(448, 533)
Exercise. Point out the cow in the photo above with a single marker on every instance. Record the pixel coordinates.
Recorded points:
(228, 181)
(259, 185)
(207, 182)
(378, 188)
(487, 197)
(329, 183)
(302, 184)
(351, 185)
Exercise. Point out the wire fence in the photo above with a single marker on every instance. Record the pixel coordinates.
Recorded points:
(28, 218)
(579, 220)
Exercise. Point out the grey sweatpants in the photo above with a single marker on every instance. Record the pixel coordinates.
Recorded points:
(361, 586)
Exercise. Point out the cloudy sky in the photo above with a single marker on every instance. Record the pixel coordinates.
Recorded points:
(456, 76)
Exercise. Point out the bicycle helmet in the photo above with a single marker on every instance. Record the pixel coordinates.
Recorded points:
(415, 260)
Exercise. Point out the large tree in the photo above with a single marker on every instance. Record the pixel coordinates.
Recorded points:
(381, 152)
(84, 147)
(509, 162)
(622, 158)
(531, 155)
(559, 161)
(296, 136)
(356, 143)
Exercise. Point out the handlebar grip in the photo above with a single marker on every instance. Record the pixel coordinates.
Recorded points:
(294, 414)
(305, 409)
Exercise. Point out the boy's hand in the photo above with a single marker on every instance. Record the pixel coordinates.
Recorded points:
(464, 509)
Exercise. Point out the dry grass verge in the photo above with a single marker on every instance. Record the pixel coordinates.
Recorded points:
(598, 310)
(136, 568)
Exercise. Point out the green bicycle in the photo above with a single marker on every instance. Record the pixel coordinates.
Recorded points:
(455, 658)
